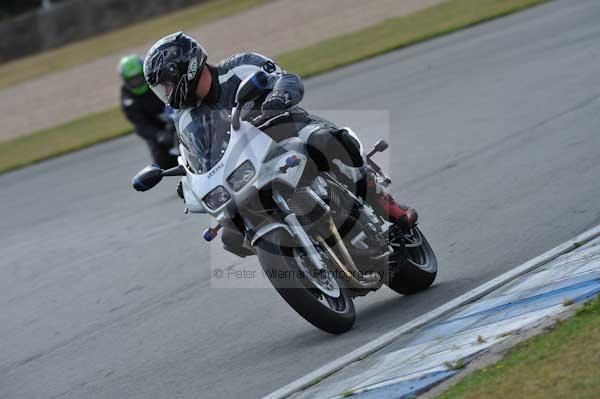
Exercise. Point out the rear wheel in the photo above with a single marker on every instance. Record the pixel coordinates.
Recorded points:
(414, 266)
(320, 299)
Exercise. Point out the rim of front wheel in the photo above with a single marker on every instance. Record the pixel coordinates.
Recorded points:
(327, 290)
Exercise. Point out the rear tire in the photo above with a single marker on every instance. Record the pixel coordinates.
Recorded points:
(415, 269)
(275, 253)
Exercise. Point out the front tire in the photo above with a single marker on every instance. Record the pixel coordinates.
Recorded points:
(275, 252)
(415, 265)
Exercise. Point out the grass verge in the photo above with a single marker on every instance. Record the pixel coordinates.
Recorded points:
(396, 33)
(112, 42)
(342, 50)
(565, 363)
(59, 140)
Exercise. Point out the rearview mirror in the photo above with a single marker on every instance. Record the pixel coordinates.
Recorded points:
(381, 146)
(252, 87)
(147, 178)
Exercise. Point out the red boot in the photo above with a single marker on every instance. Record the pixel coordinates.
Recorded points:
(385, 206)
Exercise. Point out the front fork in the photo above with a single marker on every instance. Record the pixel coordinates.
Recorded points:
(343, 262)
(289, 217)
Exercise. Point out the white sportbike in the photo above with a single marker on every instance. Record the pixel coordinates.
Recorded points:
(319, 244)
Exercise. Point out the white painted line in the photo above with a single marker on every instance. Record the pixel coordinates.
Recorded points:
(382, 341)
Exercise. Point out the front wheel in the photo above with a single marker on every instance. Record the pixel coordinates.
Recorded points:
(308, 295)
(414, 266)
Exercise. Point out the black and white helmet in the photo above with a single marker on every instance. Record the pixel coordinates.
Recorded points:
(172, 68)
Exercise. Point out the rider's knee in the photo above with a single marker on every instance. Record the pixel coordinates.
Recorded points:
(351, 148)
(327, 144)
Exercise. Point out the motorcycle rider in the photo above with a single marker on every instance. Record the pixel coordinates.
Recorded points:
(176, 69)
(146, 111)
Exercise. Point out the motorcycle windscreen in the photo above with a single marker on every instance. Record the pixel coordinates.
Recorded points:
(204, 138)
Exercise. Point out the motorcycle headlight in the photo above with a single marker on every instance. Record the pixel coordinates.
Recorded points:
(216, 197)
(241, 176)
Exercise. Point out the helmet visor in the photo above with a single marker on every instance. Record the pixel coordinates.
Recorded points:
(168, 84)
(164, 91)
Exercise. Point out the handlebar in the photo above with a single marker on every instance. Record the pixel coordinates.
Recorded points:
(268, 120)
(178, 170)
(262, 121)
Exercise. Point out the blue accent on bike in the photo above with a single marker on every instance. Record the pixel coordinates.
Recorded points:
(258, 84)
(292, 161)
(209, 234)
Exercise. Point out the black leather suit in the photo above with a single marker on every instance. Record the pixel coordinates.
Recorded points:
(324, 145)
(144, 113)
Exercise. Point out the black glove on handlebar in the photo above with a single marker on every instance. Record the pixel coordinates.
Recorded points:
(276, 101)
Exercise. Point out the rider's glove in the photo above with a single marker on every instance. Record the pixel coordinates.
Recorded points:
(276, 101)
(164, 137)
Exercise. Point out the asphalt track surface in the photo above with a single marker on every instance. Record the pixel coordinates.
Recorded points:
(106, 293)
